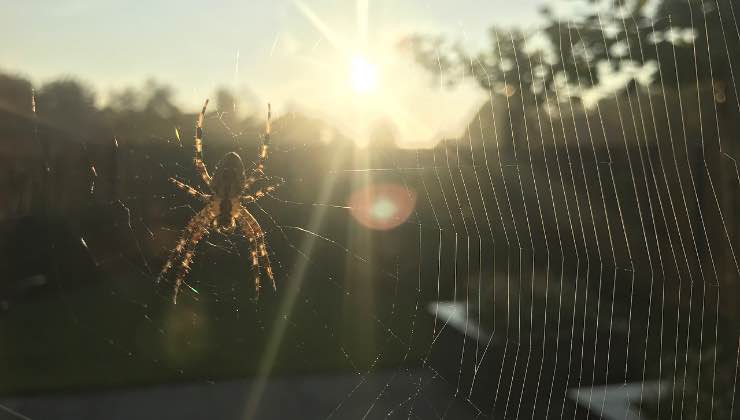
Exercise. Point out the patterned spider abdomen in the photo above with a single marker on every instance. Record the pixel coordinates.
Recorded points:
(228, 185)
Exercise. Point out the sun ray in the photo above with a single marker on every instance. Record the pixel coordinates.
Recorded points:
(334, 39)
(361, 13)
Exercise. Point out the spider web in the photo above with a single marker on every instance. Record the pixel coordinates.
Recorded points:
(549, 253)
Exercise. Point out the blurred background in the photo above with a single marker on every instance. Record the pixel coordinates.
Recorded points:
(490, 210)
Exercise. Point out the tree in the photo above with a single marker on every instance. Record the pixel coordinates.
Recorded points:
(227, 103)
(158, 102)
(567, 53)
(67, 105)
(127, 100)
(15, 94)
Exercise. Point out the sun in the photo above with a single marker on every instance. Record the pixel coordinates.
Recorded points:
(363, 75)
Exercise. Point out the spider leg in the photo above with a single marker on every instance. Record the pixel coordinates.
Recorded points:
(200, 166)
(196, 229)
(266, 190)
(256, 236)
(190, 190)
(254, 256)
(259, 170)
(184, 269)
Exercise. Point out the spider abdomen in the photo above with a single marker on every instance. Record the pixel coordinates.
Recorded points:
(228, 185)
(228, 213)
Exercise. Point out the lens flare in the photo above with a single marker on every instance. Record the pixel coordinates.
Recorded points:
(382, 206)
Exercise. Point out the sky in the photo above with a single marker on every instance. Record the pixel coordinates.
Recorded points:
(337, 60)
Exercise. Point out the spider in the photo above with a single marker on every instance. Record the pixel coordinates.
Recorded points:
(224, 209)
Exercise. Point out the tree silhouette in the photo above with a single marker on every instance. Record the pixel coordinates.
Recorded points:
(67, 105)
(15, 94)
(158, 101)
(226, 103)
(688, 40)
(126, 100)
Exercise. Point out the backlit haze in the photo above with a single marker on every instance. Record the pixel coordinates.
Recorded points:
(338, 61)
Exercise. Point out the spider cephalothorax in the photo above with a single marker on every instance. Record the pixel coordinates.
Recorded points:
(224, 208)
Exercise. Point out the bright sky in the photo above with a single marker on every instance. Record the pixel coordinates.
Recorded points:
(337, 60)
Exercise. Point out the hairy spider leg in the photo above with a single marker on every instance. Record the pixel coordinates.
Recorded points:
(196, 229)
(200, 166)
(260, 193)
(184, 269)
(256, 236)
(201, 219)
(254, 256)
(259, 171)
(190, 190)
